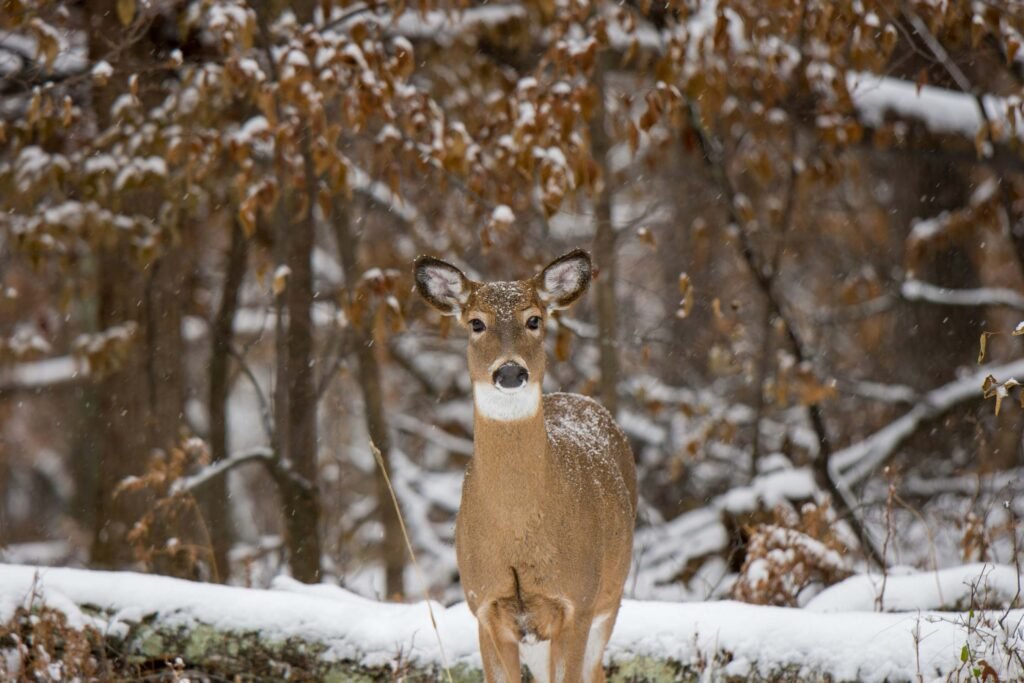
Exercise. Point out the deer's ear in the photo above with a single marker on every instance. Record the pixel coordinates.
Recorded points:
(565, 279)
(442, 285)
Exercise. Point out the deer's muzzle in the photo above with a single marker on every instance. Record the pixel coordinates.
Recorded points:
(511, 376)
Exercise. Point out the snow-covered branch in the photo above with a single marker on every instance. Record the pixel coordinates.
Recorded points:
(440, 26)
(857, 461)
(1001, 485)
(23, 64)
(217, 469)
(883, 393)
(916, 290)
(662, 552)
(48, 373)
(942, 111)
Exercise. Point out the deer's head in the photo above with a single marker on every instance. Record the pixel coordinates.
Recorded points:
(506, 322)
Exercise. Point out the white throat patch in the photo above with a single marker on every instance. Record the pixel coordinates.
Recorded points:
(505, 406)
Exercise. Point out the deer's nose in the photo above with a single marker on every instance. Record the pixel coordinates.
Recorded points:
(511, 376)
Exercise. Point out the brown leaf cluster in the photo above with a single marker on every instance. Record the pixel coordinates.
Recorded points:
(47, 648)
(788, 556)
(171, 536)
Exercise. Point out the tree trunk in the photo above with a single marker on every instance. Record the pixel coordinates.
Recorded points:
(299, 442)
(604, 247)
(165, 348)
(373, 404)
(215, 498)
(139, 405)
(121, 445)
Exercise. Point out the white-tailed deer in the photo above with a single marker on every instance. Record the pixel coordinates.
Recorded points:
(545, 529)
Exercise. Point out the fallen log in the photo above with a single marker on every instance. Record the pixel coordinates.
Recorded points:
(130, 625)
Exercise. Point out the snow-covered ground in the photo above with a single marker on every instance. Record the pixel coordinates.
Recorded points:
(838, 635)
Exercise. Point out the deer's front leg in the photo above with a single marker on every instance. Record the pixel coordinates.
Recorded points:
(569, 648)
(498, 647)
(597, 641)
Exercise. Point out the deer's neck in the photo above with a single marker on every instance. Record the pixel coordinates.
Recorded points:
(508, 430)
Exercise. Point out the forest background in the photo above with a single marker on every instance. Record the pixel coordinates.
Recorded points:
(805, 214)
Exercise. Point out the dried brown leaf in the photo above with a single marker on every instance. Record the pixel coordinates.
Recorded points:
(280, 282)
(125, 11)
(1012, 47)
(983, 346)
(686, 303)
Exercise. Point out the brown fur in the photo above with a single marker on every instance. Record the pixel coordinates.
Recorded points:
(545, 527)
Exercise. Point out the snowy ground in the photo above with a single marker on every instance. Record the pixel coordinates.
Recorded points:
(839, 634)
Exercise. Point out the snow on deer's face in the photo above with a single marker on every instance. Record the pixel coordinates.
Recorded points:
(505, 321)
(506, 349)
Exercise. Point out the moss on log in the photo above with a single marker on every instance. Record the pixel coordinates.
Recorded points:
(160, 650)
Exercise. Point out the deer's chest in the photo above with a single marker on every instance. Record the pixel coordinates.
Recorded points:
(531, 525)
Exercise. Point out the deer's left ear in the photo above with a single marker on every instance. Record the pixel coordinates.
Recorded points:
(565, 279)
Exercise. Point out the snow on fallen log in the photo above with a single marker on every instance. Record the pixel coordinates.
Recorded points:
(334, 634)
(952, 588)
(857, 461)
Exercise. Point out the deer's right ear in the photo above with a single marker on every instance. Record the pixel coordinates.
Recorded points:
(442, 285)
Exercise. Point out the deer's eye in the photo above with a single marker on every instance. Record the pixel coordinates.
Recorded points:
(477, 325)
(533, 322)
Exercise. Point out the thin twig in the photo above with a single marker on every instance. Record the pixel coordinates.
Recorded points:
(931, 542)
(941, 56)
(880, 599)
(265, 411)
(949, 65)
(207, 538)
(1016, 561)
(344, 348)
(412, 554)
